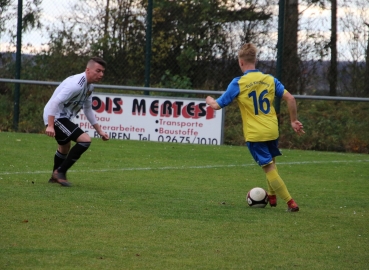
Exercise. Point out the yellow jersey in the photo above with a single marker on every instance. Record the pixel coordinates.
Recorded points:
(254, 92)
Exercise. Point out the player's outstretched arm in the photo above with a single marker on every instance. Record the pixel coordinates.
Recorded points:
(50, 130)
(292, 108)
(104, 136)
(298, 127)
(212, 103)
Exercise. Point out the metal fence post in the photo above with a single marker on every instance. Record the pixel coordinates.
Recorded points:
(148, 44)
(18, 66)
(280, 51)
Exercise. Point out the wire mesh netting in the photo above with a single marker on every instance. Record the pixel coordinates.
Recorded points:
(193, 43)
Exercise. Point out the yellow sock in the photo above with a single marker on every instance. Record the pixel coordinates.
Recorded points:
(270, 188)
(277, 184)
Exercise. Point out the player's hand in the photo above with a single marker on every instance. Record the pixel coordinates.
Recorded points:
(209, 100)
(104, 136)
(50, 131)
(298, 127)
(212, 103)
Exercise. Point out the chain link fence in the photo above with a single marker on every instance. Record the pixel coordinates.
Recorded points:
(193, 43)
(193, 46)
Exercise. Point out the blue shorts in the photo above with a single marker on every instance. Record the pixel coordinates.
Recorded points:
(264, 152)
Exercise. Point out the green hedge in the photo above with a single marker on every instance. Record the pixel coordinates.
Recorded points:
(329, 125)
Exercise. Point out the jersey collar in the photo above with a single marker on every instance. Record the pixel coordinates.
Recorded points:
(251, 70)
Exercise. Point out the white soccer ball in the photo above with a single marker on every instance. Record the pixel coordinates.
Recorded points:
(257, 197)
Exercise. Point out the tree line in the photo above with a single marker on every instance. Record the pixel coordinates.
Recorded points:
(194, 43)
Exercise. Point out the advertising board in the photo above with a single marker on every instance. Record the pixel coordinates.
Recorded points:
(160, 119)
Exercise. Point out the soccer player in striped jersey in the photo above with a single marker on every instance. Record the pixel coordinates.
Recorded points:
(254, 92)
(73, 94)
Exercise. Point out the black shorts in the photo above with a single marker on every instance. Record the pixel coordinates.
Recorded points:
(66, 131)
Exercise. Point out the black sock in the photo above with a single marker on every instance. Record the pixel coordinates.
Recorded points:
(74, 154)
(58, 159)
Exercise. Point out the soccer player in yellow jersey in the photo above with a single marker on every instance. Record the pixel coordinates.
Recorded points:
(254, 92)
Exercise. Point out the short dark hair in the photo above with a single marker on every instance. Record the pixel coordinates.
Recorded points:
(98, 60)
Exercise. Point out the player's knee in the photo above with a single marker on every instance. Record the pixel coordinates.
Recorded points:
(85, 145)
(84, 138)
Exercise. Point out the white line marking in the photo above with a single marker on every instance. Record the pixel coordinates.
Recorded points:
(192, 167)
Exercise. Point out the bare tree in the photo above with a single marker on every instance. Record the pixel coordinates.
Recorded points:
(333, 46)
(367, 65)
(9, 13)
(290, 70)
(106, 27)
(353, 68)
(313, 47)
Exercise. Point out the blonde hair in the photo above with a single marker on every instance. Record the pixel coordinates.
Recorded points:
(248, 53)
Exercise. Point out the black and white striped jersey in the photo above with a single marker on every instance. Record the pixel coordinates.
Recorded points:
(69, 98)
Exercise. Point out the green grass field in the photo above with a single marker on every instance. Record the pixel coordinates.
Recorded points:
(147, 205)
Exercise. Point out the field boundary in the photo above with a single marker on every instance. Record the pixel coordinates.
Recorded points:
(192, 167)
